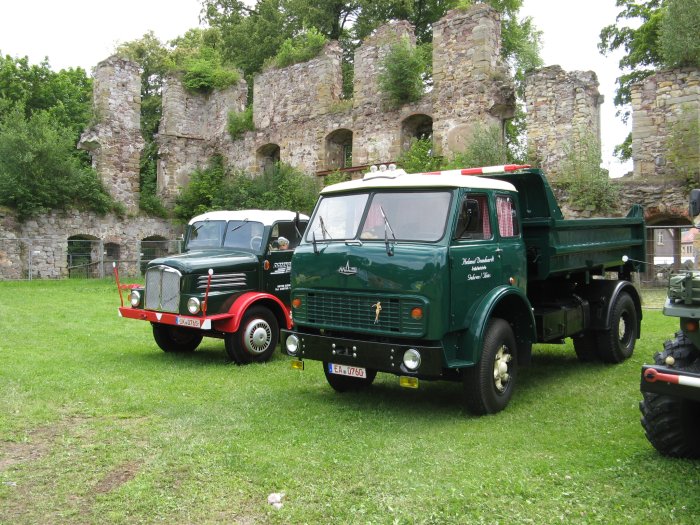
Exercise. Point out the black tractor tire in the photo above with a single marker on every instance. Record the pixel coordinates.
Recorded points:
(586, 347)
(256, 338)
(489, 385)
(176, 339)
(349, 384)
(617, 343)
(672, 424)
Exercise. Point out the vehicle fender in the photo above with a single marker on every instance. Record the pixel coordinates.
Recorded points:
(246, 301)
(602, 294)
(508, 303)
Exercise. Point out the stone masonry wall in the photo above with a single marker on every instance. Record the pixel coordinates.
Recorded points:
(115, 142)
(664, 107)
(563, 108)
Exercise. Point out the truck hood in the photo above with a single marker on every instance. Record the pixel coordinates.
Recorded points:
(201, 260)
(413, 269)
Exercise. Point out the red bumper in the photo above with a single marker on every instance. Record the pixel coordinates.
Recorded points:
(219, 322)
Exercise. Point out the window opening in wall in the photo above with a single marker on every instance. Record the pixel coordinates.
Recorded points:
(339, 149)
(268, 156)
(416, 127)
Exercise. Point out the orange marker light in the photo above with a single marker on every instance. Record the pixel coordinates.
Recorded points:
(417, 313)
(296, 303)
(691, 326)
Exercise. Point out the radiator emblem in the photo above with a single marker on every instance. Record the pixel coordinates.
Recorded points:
(347, 269)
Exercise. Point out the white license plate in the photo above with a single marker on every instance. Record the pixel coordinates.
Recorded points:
(186, 321)
(345, 370)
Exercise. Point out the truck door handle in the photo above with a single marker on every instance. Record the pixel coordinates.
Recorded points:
(499, 251)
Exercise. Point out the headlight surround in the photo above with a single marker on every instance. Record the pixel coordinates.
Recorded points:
(135, 298)
(292, 344)
(411, 359)
(193, 305)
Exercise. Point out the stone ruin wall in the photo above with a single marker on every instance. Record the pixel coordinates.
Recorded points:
(664, 105)
(562, 108)
(299, 110)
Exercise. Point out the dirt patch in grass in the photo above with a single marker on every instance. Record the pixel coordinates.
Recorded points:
(117, 477)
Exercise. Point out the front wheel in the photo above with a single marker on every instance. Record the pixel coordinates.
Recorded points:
(256, 338)
(345, 383)
(672, 424)
(617, 342)
(176, 339)
(489, 385)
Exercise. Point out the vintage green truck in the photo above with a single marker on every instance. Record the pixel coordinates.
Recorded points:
(230, 282)
(454, 275)
(671, 386)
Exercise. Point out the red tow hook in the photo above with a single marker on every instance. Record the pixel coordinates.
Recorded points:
(652, 375)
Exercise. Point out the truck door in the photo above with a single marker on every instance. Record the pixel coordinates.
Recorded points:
(284, 237)
(511, 248)
(475, 260)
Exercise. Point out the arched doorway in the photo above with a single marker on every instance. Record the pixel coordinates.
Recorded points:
(338, 149)
(267, 156)
(84, 255)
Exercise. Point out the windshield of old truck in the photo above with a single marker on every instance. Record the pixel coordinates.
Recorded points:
(393, 216)
(244, 234)
(205, 234)
(337, 218)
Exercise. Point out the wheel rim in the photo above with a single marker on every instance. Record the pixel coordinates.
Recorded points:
(257, 336)
(624, 331)
(501, 368)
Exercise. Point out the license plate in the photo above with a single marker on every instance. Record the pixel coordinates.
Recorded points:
(345, 370)
(187, 321)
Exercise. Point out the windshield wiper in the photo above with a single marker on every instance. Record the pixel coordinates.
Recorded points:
(387, 228)
(239, 226)
(324, 231)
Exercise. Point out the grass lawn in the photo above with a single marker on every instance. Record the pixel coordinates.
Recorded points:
(97, 425)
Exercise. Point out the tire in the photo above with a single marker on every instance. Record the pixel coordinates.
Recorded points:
(176, 339)
(672, 424)
(586, 347)
(489, 385)
(345, 384)
(617, 343)
(256, 338)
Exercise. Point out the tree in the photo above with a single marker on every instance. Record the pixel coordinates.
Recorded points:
(679, 42)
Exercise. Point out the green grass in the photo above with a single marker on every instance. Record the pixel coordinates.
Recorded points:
(97, 425)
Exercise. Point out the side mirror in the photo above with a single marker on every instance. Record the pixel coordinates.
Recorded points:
(694, 207)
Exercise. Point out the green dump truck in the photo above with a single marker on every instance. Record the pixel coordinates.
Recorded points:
(454, 275)
(231, 282)
(671, 386)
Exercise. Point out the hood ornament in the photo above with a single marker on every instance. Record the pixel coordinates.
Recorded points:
(347, 269)
(377, 310)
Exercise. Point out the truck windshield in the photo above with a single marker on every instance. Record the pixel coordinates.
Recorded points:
(244, 234)
(205, 234)
(400, 216)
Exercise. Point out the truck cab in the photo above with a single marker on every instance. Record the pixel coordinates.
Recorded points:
(230, 282)
(435, 276)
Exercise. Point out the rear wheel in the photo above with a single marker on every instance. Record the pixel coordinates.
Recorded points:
(176, 339)
(256, 338)
(489, 385)
(617, 343)
(344, 383)
(672, 424)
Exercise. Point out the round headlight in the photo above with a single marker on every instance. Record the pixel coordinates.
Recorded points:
(134, 298)
(193, 305)
(411, 359)
(292, 344)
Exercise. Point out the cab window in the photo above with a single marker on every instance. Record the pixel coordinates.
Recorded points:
(473, 222)
(507, 217)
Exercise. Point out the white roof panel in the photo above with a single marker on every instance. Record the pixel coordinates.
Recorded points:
(267, 217)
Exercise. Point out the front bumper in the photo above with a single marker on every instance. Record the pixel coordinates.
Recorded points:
(217, 322)
(670, 382)
(384, 357)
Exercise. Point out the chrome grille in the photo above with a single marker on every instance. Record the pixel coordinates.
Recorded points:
(162, 289)
(222, 281)
(349, 311)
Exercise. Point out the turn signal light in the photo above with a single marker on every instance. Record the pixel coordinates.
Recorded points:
(691, 326)
(408, 382)
(296, 302)
(417, 313)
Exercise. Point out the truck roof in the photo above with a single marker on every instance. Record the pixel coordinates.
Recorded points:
(399, 179)
(267, 217)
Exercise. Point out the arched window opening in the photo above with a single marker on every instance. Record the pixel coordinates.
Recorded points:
(267, 156)
(416, 127)
(339, 149)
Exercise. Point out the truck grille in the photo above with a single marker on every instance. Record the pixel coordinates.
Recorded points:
(162, 289)
(222, 281)
(349, 311)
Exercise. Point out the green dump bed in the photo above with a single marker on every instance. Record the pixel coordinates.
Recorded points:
(558, 246)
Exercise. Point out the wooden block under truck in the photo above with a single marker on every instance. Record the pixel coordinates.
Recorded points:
(231, 282)
(454, 275)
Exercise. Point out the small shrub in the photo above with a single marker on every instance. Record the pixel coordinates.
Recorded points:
(486, 148)
(419, 157)
(239, 122)
(301, 48)
(402, 76)
(205, 72)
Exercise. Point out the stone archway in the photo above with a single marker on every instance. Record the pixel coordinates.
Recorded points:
(84, 256)
(338, 149)
(416, 127)
(267, 156)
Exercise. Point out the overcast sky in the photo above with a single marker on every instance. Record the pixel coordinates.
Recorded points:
(81, 33)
